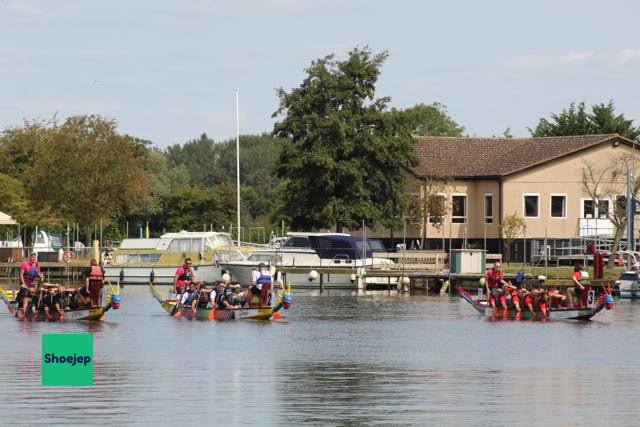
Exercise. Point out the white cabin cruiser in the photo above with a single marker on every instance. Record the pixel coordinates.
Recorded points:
(318, 262)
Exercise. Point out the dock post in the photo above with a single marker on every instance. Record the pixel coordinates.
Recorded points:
(321, 283)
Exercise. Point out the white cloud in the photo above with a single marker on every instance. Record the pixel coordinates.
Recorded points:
(542, 61)
(24, 8)
(575, 56)
(628, 54)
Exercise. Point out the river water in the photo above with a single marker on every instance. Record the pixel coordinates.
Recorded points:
(401, 360)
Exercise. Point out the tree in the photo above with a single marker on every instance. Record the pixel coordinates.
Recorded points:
(341, 151)
(428, 206)
(85, 171)
(195, 208)
(429, 120)
(576, 121)
(606, 183)
(512, 226)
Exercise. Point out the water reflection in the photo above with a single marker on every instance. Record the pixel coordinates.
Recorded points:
(333, 361)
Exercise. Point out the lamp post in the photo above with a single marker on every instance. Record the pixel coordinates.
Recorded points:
(631, 241)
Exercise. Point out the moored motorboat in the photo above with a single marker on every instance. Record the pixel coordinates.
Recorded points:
(85, 313)
(256, 313)
(605, 300)
(140, 261)
(302, 255)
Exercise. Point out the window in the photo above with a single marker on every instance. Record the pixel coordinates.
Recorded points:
(488, 208)
(437, 209)
(596, 210)
(558, 206)
(621, 206)
(587, 208)
(531, 206)
(459, 209)
(603, 208)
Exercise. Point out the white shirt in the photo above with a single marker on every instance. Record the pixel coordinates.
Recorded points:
(255, 275)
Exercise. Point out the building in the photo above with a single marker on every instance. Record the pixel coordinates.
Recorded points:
(541, 180)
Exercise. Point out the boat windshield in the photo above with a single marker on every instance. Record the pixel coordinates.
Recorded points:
(297, 242)
(185, 245)
(220, 241)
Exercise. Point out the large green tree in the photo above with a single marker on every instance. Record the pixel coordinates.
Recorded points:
(342, 149)
(429, 120)
(575, 120)
(86, 171)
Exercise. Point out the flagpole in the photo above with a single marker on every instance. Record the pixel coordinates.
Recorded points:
(238, 160)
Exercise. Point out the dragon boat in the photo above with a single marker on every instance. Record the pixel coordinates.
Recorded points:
(592, 307)
(86, 313)
(251, 312)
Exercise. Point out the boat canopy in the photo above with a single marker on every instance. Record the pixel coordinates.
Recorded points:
(349, 247)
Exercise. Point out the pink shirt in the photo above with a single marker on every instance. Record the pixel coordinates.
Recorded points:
(30, 272)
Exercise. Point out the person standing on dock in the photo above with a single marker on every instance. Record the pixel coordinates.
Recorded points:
(93, 282)
(494, 282)
(29, 275)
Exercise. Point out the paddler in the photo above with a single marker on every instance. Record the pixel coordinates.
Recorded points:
(29, 275)
(190, 297)
(184, 275)
(53, 301)
(494, 282)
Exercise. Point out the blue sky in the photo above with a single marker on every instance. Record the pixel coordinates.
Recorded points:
(167, 70)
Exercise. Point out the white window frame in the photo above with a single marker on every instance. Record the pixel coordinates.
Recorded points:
(609, 211)
(484, 212)
(596, 211)
(466, 208)
(564, 208)
(524, 205)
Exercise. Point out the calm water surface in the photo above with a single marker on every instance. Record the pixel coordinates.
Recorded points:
(332, 361)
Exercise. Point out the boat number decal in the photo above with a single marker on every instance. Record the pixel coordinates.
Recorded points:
(591, 296)
(242, 313)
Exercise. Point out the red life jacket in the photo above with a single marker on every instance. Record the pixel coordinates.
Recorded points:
(96, 274)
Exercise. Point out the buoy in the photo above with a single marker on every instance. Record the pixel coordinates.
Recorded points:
(620, 261)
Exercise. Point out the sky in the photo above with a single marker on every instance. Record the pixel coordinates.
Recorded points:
(167, 71)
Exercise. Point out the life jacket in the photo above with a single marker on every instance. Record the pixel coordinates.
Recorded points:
(187, 275)
(265, 278)
(32, 273)
(190, 297)
(96, 274)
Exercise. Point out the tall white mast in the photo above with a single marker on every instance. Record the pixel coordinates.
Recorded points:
(238, 159)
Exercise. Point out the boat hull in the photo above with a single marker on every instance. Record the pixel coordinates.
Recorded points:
(162, 275)
(332, 284)
(76, 314)
(254, 313)
(512, 314)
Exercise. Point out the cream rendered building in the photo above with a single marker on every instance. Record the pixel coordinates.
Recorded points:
(537, 179)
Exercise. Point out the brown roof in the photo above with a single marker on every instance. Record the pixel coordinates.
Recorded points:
(484, 157)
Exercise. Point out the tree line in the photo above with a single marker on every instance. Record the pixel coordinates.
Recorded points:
(333, 159)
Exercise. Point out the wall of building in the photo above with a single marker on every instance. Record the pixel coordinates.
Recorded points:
(562, 177)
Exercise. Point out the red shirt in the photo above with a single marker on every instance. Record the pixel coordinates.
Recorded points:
(494, 277)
